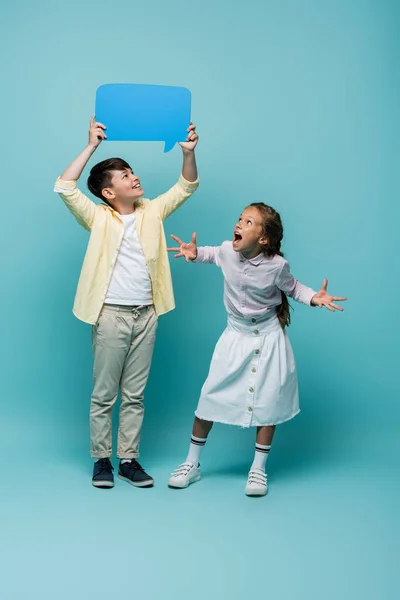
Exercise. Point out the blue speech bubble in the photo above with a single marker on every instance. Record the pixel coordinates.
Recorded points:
(144, 113)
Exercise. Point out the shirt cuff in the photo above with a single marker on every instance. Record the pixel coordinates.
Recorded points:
(309, 296)
(200, 255)
(64, 186)
(189, 186)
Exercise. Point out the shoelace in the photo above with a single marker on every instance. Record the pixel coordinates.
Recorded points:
(183, 469)
(105, 465)
(134, 466)
(257, 477)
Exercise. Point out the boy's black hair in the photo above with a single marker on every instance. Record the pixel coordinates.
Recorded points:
(101, 175)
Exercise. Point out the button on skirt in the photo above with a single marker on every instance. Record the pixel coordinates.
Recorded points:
(252, 379)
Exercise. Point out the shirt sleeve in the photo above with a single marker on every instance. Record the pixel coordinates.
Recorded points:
(168, 202)
(208, 255)
(293, 288)
(81, 207)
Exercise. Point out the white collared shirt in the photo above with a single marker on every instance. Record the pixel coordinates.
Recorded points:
(253, 286)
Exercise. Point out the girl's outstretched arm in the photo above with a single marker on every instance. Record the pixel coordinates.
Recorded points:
(188, 251)
(301, 293)
(191, 252)
(322, 298)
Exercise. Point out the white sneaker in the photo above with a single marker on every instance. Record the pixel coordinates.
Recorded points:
(256, 483)
(184, 475)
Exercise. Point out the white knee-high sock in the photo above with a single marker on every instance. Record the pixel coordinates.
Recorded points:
(195, 448)
(260, 457)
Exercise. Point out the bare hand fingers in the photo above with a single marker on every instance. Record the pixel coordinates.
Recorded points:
(339, 298)
(173, 249)
(337, 307)
(194, 238)
(178, 255)
(96, 124)
(100, 134)
(329, 307)
(174, 237)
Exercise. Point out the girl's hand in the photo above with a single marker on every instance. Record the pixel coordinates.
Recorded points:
(191, 140)
(322, 298)
(96, 133)
(189, 251)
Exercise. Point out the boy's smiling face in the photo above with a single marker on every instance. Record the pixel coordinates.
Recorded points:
(248, 237)
(125, 187)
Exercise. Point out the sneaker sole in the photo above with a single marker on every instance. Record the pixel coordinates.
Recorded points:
(255, 493)
(182, 486)
(103, 484)
(146, 483)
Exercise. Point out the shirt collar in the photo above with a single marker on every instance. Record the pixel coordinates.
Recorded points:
(254, 261)
(138, 205)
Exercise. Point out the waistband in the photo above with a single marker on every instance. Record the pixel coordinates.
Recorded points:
(128, 308)
(253, 326)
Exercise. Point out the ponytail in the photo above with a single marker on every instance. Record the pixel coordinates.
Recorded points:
(283, 311)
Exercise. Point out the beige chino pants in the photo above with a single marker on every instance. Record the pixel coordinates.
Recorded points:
(123, 343)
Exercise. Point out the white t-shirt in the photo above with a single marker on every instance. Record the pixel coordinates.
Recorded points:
(130, 282)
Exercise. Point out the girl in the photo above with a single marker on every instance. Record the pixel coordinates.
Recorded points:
(252, 379)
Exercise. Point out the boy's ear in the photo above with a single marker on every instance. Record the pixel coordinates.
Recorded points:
(263, 241)
(107, 193)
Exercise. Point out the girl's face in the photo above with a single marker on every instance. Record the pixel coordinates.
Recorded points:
(248, 237)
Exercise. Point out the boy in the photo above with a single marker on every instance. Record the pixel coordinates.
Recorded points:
(125, 284)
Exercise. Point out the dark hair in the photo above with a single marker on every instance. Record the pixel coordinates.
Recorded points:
(101, 175)
(273, 231)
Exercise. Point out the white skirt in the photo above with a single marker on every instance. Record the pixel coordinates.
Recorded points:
(252, 379)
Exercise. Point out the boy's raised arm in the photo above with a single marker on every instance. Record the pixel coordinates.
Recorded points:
(80, 206)
(96, 136)
(188, 182)
(189, 169)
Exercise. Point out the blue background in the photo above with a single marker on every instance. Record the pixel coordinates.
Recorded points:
(296, 104)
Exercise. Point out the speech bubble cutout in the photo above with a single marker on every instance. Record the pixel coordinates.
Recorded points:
(144, 113)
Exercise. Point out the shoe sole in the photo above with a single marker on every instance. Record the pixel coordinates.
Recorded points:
(141, 484)
(106, 485)
(255, 493)
(182, 486)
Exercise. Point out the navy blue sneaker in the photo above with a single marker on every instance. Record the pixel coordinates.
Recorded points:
(133, 473)
(103, 474)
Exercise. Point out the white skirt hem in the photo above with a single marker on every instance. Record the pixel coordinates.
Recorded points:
(247, 426)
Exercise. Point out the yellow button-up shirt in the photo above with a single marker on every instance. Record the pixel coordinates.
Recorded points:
(106, 234)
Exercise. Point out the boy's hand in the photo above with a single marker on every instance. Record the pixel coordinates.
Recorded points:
(96, 136)
(189, 251)
(191, 140)
(96, 133)
(322, 298)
